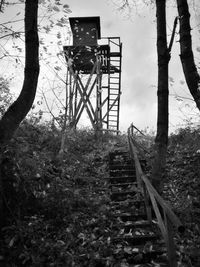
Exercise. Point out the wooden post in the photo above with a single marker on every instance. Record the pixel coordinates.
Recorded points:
(171, 249)
(147, 204)
(70, 97)
(75, 104)
(99, 96)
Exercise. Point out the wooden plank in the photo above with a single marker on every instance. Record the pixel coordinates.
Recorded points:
(159, 217)
(172, 216)
(103, 103)
(166, 208)
(80, 106)
(85, 99)
(170, 219)
(111, 107)
(147, 204)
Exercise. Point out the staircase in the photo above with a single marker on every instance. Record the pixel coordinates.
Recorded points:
(114, 82)
(138, 241)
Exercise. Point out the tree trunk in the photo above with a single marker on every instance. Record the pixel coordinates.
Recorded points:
(64, 127)
(187, 58)
(19, 109)
(162, 94)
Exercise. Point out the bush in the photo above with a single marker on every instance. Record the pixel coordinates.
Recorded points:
(52, 204)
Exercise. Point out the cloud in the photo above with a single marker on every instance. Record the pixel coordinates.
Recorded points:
(108, 24)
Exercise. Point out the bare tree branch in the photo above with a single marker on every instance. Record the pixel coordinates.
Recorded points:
(45, 100)
(1, 5)
(173, 34)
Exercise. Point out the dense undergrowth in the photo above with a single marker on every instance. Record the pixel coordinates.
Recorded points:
(182, 189)
(55, 209)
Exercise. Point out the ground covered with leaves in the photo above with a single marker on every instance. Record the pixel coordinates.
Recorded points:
(57, 211)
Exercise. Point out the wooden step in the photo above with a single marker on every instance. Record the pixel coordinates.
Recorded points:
(136, 225)
(137, 231)
(122, 167)
(121, 157)
(149, 251)
(122, 173)
(120, 179)
(136, 240)
(119, 162)
(114, 89)
(143, 254)
(157, 245)
(123, 186)
(130, 203)
(115, 54)
(114, 77)
(159, 258)
(128, 207)
(119, 152)
(122, 195)
(117, 212)
(132, 217)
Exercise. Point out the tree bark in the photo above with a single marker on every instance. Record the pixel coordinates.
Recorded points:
(64, 127)
(161, 140)
(187, 58)
(19, 109)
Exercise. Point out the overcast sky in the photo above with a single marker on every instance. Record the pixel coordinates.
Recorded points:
(138, 101)
(139, 66)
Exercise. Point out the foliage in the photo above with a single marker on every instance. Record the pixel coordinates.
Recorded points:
(182, 189)
(5, 96)
(53, 32)
(57, 212)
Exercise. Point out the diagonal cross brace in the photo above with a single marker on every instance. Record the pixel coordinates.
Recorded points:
(117, 98)
(80, 110)
(84, 96)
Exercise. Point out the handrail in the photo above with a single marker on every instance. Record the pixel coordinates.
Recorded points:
(134, 127)
(138, 145)
(166, 218)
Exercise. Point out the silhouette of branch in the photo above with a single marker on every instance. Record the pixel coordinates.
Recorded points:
(173, 34)
(1, 6)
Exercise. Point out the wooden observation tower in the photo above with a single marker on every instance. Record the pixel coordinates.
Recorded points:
(94, 75)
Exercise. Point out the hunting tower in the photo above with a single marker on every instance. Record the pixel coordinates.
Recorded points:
(94, 75)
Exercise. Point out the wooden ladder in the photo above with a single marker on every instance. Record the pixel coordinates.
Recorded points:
(114, 82)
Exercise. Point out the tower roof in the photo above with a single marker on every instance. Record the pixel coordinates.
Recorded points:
(79, 20)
